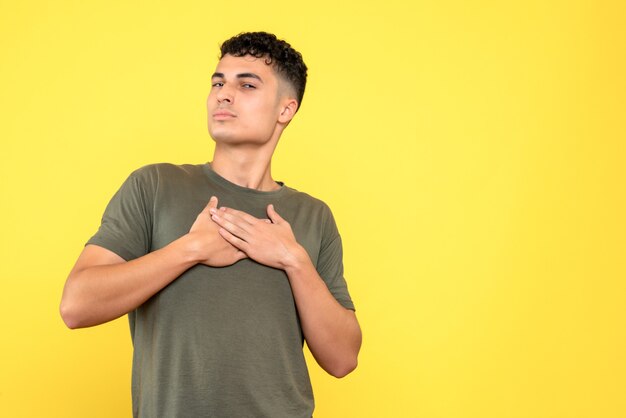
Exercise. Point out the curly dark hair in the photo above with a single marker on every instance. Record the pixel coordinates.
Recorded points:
(287, 62)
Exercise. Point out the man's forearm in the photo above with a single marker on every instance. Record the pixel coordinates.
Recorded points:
(331, 331)
(100, 293)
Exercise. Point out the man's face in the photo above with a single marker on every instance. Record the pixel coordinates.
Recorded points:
(246, 102)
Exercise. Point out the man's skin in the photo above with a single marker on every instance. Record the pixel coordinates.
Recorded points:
(248, 108)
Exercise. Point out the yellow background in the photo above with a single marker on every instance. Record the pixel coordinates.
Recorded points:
(472, 152)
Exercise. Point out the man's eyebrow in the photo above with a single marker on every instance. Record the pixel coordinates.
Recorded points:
(240, 75)
(249, 75)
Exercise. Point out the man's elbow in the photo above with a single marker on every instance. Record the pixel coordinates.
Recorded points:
(343, 369)
(349, 360)
(68, 317)
(71, 315)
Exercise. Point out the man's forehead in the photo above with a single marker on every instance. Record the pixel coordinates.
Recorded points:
(246, 63)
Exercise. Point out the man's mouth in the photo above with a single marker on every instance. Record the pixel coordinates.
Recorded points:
(223, 114)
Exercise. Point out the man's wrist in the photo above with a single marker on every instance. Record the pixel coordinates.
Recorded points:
(189, 249)
(298, 259)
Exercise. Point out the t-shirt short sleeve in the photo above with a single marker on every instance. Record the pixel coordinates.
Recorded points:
(330, 263)
(126, 226)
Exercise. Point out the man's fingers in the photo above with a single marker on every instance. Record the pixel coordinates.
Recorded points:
(211, 205)
(239, 214)
(273, 215)
(236, 242)
(231, 223)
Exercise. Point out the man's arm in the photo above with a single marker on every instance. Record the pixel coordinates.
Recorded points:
(102, 286)
(331, 331)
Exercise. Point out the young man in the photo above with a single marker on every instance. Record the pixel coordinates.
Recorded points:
(220, 295)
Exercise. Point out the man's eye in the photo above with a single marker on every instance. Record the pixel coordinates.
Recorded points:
(217, 84)
(248, 86)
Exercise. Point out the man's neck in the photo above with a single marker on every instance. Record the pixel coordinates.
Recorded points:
(244, 167)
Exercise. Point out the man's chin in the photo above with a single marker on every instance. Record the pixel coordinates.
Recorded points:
(235, 140)
(220, 135)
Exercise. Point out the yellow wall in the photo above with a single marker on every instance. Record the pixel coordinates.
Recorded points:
(473, 154)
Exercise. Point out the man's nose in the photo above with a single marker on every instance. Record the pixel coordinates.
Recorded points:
(225, 94)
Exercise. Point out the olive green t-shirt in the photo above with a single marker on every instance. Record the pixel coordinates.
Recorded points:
(218, 342)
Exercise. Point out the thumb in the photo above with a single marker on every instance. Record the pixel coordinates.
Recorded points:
(273, 215)
(212, 205)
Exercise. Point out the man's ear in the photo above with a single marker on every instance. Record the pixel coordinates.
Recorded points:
(288, 110)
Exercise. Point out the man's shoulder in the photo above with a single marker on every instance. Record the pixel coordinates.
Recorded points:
(304, 202)
(305, 198)
(157, 172)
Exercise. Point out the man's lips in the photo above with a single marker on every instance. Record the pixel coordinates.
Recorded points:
(223, 114)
